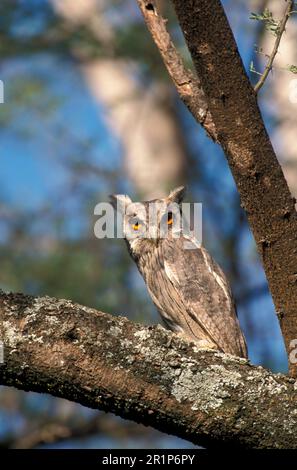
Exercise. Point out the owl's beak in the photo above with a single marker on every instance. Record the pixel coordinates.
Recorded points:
(154, 235)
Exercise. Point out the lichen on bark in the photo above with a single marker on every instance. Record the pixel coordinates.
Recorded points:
(144, 373)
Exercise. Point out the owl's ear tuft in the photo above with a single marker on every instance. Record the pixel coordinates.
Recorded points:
(120, 201)
(177, 194)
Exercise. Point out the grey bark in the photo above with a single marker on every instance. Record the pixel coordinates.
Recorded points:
(143, 373)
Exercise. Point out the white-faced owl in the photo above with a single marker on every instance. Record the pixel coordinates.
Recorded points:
(187, 286)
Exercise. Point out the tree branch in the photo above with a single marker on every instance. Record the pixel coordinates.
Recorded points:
(240, 131)
(100, 426)
(186, 83)
(279, 33)
(145, 374)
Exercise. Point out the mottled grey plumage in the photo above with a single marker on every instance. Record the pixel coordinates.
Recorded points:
(187, 286)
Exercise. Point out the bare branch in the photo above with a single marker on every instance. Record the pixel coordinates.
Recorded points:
(145, 374)
(281, 29)
(187, 84)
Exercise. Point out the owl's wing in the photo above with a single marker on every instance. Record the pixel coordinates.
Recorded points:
(206, 295)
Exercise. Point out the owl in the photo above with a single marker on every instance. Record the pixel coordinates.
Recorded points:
(187, 286)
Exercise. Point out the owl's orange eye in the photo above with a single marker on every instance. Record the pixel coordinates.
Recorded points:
(169, 218)
(136, 226)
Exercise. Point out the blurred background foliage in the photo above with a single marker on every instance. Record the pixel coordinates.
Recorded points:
(89, 110)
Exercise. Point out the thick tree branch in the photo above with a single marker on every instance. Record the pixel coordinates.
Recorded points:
(240, 131)
(279, 33)
(145, 374)
(186, 83)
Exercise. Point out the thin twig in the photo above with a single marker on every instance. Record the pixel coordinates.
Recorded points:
(280, 32)
(187, 84)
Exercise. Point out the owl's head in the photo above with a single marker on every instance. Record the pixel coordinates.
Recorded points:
(147, 222)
